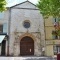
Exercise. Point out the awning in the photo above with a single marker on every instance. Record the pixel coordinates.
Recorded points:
(2, 38)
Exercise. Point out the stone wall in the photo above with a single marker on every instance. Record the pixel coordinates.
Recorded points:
(35, 31)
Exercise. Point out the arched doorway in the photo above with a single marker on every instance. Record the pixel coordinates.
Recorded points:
(26, 46)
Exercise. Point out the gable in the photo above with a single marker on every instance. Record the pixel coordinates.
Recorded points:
(26, 4)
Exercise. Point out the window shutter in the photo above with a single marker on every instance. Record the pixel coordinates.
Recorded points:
(5, 28)
(1, 28)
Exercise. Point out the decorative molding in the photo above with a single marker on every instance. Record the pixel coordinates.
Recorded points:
(52, 42)
(25, 8)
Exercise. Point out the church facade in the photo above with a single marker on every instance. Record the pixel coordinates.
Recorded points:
(25, 26)
(26, 32)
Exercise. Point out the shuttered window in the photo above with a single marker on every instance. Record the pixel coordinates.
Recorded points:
(1, 15)
(1, 28)
(55, 20)
(5, 28)
(56, 49)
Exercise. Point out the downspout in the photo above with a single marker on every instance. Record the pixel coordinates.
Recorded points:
(9, 22)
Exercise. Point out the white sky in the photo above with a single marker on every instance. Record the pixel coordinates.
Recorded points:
(13, 2)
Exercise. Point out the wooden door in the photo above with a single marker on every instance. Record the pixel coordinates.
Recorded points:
(3, 47)
(27, 46)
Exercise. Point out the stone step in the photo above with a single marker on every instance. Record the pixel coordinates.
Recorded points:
(27, 58)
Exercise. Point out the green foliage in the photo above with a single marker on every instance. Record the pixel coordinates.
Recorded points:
(54, 32)
(58, 32)
(49, 7)
(2, 5)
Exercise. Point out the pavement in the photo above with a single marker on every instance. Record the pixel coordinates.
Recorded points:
(27, 58)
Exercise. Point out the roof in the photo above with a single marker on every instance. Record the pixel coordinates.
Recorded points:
(22, 3)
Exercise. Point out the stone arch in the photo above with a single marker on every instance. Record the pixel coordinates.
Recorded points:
(27, 46)
(27, 34)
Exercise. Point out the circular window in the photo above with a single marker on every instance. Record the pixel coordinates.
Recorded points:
(26, 24)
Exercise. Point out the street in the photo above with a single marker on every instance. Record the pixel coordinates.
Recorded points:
(27, 58)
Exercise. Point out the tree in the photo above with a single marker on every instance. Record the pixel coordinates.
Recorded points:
(49, 8)
(2, 5)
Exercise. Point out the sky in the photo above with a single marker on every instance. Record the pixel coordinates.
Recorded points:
(14, 2)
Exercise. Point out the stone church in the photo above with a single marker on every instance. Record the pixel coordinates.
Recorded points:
(23, 31)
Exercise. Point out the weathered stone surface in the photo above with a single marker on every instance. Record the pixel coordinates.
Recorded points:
(17, 30)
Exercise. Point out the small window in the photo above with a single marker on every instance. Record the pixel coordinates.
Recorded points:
(54, 35)
(1, 28)
(56, 49)
(1, 15)
(55, 20)
(26, 24)
(5, 28)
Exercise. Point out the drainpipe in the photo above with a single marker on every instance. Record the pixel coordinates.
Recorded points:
(9, 22)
